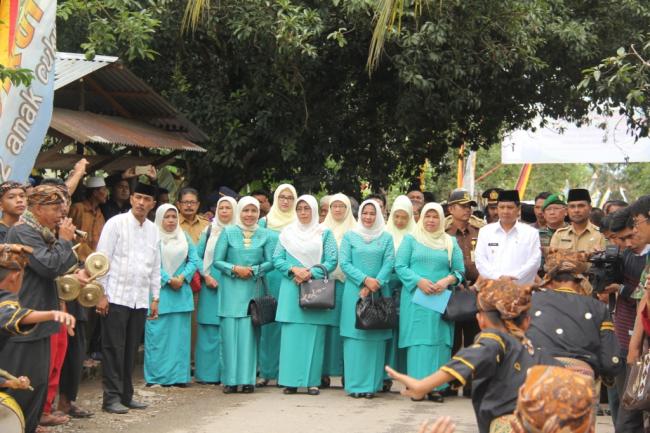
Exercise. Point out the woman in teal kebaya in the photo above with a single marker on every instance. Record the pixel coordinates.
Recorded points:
(302, 245)
(167, 338)
(207, 355)
(366, 258)
(281, 214)
(339, 220)
(428, 260)
(242, 256)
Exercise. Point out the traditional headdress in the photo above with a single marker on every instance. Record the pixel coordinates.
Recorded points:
(575, 263)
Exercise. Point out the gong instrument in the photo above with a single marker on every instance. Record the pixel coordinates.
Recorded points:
(96, 265)
(11, 416)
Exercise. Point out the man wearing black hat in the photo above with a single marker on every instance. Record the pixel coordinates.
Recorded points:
(130, 241)
(508, 247)
(491, 195)
(581, 234)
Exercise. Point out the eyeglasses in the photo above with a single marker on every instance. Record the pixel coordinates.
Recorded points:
(303, 209)
(189, 203)
(338, 206)
(285, 197)
(637, 222)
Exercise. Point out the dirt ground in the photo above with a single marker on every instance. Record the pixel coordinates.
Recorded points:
(205, 409)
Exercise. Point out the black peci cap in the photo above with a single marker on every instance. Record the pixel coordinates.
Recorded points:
(509, 195)
(578, 194)
(143, 188)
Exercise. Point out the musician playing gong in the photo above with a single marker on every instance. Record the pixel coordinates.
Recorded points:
(29, 355)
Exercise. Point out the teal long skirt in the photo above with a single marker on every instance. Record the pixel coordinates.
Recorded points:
(333, 358)
(395, 357)
(207, 355)
(301, 354)
(239, 351)
(167, 349)
(363, 363)
(423, 360)
(269, 362)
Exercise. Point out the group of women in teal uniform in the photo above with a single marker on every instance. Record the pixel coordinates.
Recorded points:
(303, 347)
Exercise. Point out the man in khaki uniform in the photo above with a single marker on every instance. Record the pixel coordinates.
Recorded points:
(581, 234)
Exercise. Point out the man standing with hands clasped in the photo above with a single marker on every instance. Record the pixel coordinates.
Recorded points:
(508, 248)
(130, 241)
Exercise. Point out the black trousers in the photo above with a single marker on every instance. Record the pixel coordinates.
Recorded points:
(464, 334)
(73, 363)
(122, 331)
(31, 359)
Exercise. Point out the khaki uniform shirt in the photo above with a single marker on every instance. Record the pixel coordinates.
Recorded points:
(588, 241)
(89, 220)
(194, 228)
(467, 242)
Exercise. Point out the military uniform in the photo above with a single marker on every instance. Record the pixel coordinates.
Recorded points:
(588, 241)
(497, 364)
(567, 324)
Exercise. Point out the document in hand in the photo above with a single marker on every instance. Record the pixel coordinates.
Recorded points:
(437, 302)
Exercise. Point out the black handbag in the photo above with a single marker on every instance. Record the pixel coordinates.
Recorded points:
(376, 313)
(262, 308)
(318, 294)
(462, 306)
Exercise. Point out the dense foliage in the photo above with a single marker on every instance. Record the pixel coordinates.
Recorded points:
(281, 86)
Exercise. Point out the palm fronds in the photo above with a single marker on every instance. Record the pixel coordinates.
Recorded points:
(194, 10)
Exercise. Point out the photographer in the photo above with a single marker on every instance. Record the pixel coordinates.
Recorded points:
(633, 260)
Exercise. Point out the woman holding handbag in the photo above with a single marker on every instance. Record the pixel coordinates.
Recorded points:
(303, 248)
(281, 214)
(366, 258)
(207, 355)
(173, 327)
(242, 255)
(428, 261)
(339, 220)
(400, 223)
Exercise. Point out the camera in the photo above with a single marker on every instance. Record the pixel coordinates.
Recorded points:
(606, 268)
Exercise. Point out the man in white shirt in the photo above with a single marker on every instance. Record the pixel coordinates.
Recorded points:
(130, 241)
(508, 248)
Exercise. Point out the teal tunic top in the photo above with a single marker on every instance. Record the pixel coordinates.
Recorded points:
(235, 293)
(208, 298)
(358, 260)
(273, 277)
(414, 261)
(182, 300)
(289, 310)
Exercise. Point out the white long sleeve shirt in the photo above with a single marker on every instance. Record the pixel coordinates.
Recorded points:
(516, 253)
(134, 254)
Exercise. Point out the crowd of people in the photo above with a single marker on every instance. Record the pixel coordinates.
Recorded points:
(182, 278)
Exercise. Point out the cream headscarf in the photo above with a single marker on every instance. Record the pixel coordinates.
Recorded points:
(243, 202)
(277, 219)
(304, 241)
(339, 228)
(438, 240)
(377, 229)
(173, 245)
(215, 230)
(402, 203)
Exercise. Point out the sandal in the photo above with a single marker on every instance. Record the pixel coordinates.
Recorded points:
(290, 390)
(262, 383)
(436, 397)
(313, 390)
(77, 412)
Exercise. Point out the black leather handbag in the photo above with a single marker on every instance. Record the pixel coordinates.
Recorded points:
(376, 312)
(462, 306)
(318, 294)
(262, 308)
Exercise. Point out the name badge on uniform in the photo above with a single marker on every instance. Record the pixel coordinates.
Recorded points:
(472, 254)
(493, 244)
(565, 240)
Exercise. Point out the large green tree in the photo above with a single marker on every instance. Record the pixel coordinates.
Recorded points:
(281, 86)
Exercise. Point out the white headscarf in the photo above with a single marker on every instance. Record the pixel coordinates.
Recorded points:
(173, 245)
(372, 233)
(304, 241)
(214, 231)
(438, 240)
(277, 219)
(339, 228)
(243, 202)
(402, 203)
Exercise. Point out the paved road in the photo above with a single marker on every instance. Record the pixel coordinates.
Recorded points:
(205, 409)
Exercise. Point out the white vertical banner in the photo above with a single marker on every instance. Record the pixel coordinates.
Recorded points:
(27, 40)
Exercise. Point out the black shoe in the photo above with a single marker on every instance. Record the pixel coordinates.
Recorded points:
(369, 395)
(136, 405)
(356, 395)
(388, 384)
(436, 397)
(325, 382)
(248, 389)
(313, 390)
(290, 390)
(115, 407)
(229, 389)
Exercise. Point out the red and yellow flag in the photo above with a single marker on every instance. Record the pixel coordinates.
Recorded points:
(522, 182)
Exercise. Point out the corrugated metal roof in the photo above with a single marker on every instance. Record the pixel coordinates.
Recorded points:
(85, 127)
(120, 92)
